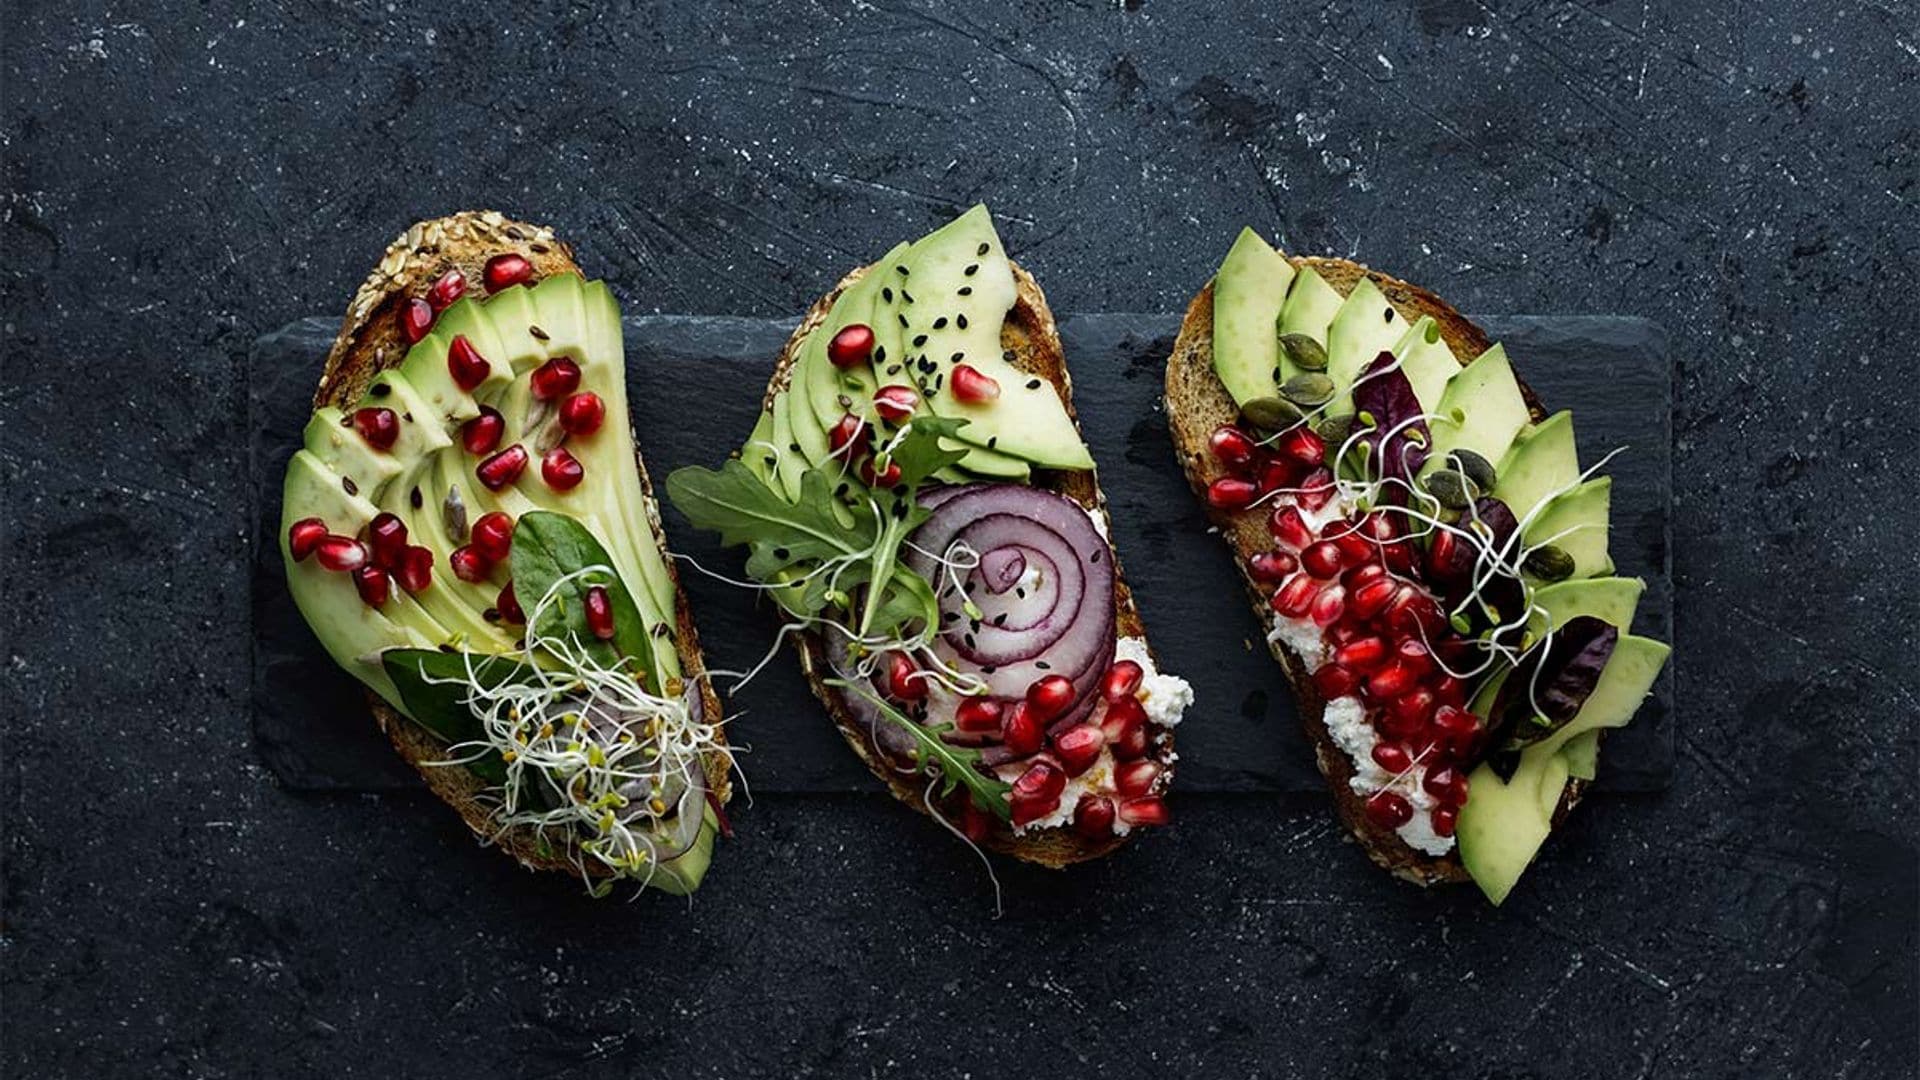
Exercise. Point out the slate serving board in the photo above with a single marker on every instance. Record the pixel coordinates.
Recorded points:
(696, 384)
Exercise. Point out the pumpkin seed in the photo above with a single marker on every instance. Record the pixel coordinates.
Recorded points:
(1305, 351)
(1308, 389)
(1476, 468)
(1450, 488)
(1271, 414)
(1548, 563)
(1334, 430)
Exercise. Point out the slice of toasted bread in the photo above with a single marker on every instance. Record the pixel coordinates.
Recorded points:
(1197, 403)
(369, 342)
(1031, 335)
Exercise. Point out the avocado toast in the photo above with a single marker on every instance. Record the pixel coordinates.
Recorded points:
(919, 502)
(1426, 547)
(469, 531)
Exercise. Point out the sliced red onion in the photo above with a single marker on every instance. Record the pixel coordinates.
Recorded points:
(1001, 568)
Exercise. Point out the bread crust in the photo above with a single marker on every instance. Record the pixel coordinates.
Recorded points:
(1197, 403)
(369, 342)
(1031, 334)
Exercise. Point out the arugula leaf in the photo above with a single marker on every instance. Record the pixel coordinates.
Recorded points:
(440, 706)
(548, 546)
(956, 763)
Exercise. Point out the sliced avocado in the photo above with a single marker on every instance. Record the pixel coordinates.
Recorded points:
(833, 392)
(1582, 754)
(1310, 306)
(1248, 290)
(560, 315)
(683, 875)
(426, 369)
(792, 461)
(422, 430)
(1501, 828)
(1481, 410)
(1541, 464)
(1553, 783)
(1624, 683)
(1612, 600)
(513, 316)
(758, 455)
(953, 291)
(1426, 362)
(1365, 326)
(1576, 523)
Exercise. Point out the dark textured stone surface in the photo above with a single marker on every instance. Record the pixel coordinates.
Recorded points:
(180, 181)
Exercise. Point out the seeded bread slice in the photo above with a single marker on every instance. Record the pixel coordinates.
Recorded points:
(369, 342)
(1197, 403)
(1034, 340)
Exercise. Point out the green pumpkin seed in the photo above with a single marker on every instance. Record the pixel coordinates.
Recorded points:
(1305, 351)
(1450, 488)
(1334, 430)
(1548, 563)
(1474, 467)
(1308, 390)
(1271, 414)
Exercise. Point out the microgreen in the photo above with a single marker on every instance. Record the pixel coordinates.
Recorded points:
(956, 766)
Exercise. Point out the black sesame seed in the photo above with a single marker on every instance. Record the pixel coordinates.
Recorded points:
(966, 290)
(351, 488)
(984, 248)
(1033, 384)
(903, 321)
(940, 323)
(902, 269)
(1043, 665)
(919, 340)
(538, 333)
(1007, 356)
(491, 614)
(1389, 314)
(781, 553)
(887, 294)
(415, 499)
(993, 441)
(1000, 619)
(893, 369)
(972, 269)
(880, 355)
(381, 389)
(793, 447)
(407, 416)
(988, 669)
(957, 357)
(960, 320)
(1095, 557)
(906, 297)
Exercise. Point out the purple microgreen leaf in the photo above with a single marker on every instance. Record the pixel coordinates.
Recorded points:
(1552, 681)
(1385, 395)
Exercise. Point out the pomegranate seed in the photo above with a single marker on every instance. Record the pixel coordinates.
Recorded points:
(599, 612)
(581, 414)
(493, 535)
(1036, 793)
(1413, 707)
(305, 535)
(1447, 784)
(1136, 777)
(1328, 605)
(1357, 576)
(1049, 696)
(469, 565)
(1335, 681)
(1151, 810)
(1415, 655)
(1364, 655)
(1342, 632)
(1296, 596)
(502, 271)
(388, 538)
(1414, 612)
(1355, 548)
(449, 287)
(561, 470)
(1300, 444)
(380, 426)
(373, 585)
(1288, 527)
(502, 468)
(1392, 757)
(977, 716)
(556, 378)
(975, 822)
(1122, 681)
(1459, 729)
(1445, 820)
(341, 553)
(1388, 810)
(852, 346)
(1231, 493)
(972, 386)
(904, 680)
(416, 318)
(482, 433)
(1079, 747)
(1393, 726)
(880, 478)
(1231, 448)
(1317, 489)
(1093, 816)
(1449, 690)
(1125, 727)
(1400, 557)
(1322, 559)
(1371, 598)
(1389, 682)
(1444, 564)
(896, 402)
(1272, 567)
(849, 432)
(464, 362)
(1277, 473)
(415, 571)
(1024, 733)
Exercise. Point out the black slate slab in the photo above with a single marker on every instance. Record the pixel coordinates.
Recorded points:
(697, 383)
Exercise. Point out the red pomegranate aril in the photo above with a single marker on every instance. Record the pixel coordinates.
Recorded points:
(1364, 655)
(852, 346)
(1301, 445)
(1445, 820)
(379, 425)
(1316, 489)
(1392, 757)
(482, 433)
(1289, 527)
(1328, 605)
(1389, 682)
(1460, 730)
(1036, 793)
(1049, 696)
(1232, 449)
(880, 478)
(1415, 655)
(1364, 574)
(895, 403)
(469, 565)
(1355, 548)
(904, 680)
(502, 468)
(447, 288)
(464, 362)
(1322, 559)
(1414, 707)
(1400, 557)
(1344, 631)
(1414, 612)
(1122, 680)
(1272, 567)
(1125, 727)
(1295, 597)
(977, 716)
(1277, 474)
(1023, 733)
(1388, 810)
(493, 535)
(1449, 690)
(850, 431)
(1447, 784)
(1335, 681)
(1442, 555)
(556, 378)
(373, 585)
(1232, 493)
(561, 470)
(503, 271)
(416, 319)
(972, 386)
(415, 571)
(599, 612)
(1093, 816)
(1373, 597)
(305, 535)
(976, 823)
(1079, 747)
(1393, 726)
(582, 414)
(341, 553)
(387, 536)
(1136, 778)
(1143, 813)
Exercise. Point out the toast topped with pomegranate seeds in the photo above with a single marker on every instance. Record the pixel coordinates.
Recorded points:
(918, 431)
(470, 532)
(1426, 549)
